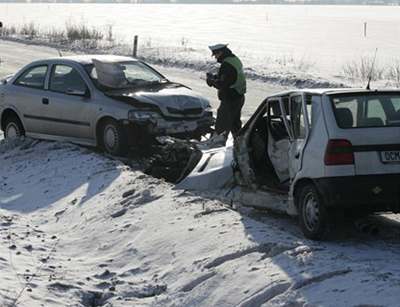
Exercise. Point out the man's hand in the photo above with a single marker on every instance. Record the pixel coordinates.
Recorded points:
(210, 79)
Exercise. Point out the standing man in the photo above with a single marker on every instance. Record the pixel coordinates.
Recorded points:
(231, 84)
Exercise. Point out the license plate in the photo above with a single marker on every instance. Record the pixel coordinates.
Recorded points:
(182, 127)
(390, 156)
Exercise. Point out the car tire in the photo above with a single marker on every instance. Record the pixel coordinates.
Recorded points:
(313, 216)
(113, 138)
(13, 128)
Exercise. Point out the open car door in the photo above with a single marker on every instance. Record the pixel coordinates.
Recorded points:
(298, 123)
(261, 150)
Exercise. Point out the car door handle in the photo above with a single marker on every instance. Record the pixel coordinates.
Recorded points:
(45, 100)
(297, 155)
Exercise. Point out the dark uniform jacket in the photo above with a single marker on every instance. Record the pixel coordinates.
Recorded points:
(226, 77)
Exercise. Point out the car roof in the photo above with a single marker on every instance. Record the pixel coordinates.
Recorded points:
(333, 91)
(87, 58)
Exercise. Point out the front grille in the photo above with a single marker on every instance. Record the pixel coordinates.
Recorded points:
(193, 111)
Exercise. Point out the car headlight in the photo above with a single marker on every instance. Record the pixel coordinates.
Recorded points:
(137, 115)
(208, 112)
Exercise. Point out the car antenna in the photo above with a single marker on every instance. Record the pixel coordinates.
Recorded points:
(370, 72)
(59, 53)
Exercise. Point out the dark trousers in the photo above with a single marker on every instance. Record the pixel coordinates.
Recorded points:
(228, 116)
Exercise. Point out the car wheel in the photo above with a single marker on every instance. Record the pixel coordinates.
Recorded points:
(13, 128)
(313, 217)
(113, 138)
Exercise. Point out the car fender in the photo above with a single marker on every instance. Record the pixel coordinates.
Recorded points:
(113, 115)
(4, 108)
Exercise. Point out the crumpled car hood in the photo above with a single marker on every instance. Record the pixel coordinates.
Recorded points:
(165, 97)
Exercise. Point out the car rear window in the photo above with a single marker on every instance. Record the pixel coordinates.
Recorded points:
(364, 111)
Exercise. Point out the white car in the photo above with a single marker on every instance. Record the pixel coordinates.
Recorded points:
(311, 152)
(99, 100)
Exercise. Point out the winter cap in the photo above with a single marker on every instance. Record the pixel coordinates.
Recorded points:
(217, 47)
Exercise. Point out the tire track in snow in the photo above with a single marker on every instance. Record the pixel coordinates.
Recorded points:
(270, 292)
(265, 294)
(194, 283)
(319, 278)
(268, 249)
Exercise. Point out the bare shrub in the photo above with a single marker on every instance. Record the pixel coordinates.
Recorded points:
(185, 43)
(393, 73)
(55, 35)
(110, 34)
(29, 29)
(76, 35)
(289, 62)
(8, 31)
(82, 32)
(148, 42)
(284, 60)
(362, 68)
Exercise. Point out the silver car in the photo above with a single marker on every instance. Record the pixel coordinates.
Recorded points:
(112, 102)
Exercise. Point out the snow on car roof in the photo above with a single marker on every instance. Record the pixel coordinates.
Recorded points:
(331, 91)
(87, 58)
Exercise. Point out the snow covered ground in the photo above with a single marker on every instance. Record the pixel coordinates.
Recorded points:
(81, 229)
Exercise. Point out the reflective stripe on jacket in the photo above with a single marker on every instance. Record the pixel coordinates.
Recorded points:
(240, 84)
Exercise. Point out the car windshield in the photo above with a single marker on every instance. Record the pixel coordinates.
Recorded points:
(371, 110)
(122, 74)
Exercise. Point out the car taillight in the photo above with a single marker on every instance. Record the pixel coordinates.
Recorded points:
(339, 152)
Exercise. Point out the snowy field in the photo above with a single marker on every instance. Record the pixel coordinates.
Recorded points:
(81, 229)
(274, 41)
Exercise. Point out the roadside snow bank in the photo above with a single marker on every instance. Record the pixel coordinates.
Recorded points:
(80, 229)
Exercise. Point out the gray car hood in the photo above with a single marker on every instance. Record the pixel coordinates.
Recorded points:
(167, 97)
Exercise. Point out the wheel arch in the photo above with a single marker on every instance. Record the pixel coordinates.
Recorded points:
(297, 187)
(7, 113)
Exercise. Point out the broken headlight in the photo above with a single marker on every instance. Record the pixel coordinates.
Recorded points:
(137, 115)
(208, 111)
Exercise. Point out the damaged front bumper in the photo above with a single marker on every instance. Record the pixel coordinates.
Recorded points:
(213, 171)
(148, 125)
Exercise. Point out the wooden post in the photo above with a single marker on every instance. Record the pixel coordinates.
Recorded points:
(135, 46)
(365, 29)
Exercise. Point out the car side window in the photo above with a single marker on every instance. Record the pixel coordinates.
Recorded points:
(275, 121)
(396, 104)
(33, 77)
(297, 117)
(65, 79)
(375, 112)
